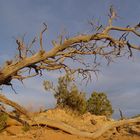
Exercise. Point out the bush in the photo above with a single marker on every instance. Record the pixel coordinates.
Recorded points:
(3, 119)
(98, 104)
(75, 100)
(67, 94)
(63, 89)
(26, 127)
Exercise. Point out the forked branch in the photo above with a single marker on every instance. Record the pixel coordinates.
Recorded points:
(101, 44)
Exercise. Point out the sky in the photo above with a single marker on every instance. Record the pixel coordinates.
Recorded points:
(120, 80)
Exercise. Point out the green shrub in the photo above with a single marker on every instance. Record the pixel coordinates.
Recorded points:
(98, 104)
(3, 119)
(26, 127)
(63, 90)
(75, 100)
(67, 94)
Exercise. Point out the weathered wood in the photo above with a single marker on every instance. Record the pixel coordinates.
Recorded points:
(69, 129)
(16, 106)
(83, 44)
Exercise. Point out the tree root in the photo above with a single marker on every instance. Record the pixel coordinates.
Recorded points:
(71, 130)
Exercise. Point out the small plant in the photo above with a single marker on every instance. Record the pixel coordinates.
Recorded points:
(3, 119)
(76, 101)
(67, 94)
(26, 127)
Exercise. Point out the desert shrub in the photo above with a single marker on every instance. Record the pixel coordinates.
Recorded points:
(75, 100)
(99, 104)
(67, 94)
(63, 89)
(26, 127)
(3, 119)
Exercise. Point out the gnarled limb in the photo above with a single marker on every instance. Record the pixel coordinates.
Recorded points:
(16, 106)
(69, 129)
(100, 44)
(23, 122)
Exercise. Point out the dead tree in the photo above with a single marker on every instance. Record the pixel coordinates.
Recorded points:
(94, 135)
(101, 43)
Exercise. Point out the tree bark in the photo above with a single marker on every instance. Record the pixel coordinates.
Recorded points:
(71, 130)
(16, 106)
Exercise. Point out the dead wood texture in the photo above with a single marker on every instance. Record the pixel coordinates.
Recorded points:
(71, 130)
(16, 106)
(102, 42)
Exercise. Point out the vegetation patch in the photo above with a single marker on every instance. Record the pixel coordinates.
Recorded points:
(3, 119)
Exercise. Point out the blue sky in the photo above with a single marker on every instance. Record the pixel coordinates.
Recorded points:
(121, 80)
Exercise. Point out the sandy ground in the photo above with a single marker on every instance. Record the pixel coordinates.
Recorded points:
(15, 131)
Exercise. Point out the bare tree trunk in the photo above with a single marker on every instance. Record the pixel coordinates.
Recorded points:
(71, 130)
(65, 127)
(19, 108)
(23, 122)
